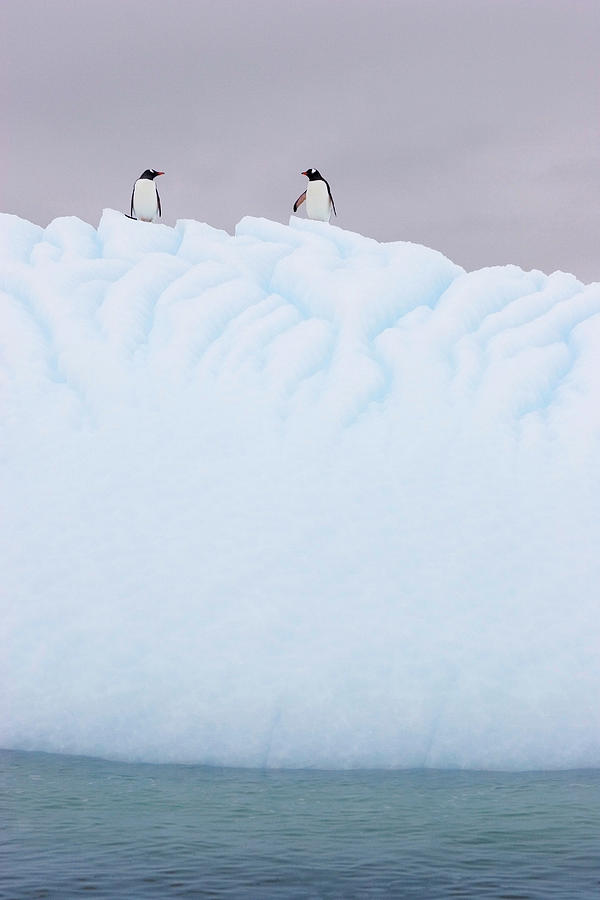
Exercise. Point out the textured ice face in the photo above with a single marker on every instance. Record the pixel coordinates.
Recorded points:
(295, 498)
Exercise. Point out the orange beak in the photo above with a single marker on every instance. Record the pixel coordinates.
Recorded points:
(160, 173)
(304, 173)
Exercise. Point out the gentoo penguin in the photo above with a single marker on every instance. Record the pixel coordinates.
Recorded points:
(145, 202)
(319, 201)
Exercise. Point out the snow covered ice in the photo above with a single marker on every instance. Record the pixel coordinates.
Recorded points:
(295, 498)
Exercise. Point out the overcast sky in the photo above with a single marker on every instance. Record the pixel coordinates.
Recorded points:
(472, 126)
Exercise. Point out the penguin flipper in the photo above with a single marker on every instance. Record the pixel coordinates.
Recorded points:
(159, 206)
(299, 201)
(331, 198)
(132, 193)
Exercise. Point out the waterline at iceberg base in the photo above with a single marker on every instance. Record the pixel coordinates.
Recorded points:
(294, 498)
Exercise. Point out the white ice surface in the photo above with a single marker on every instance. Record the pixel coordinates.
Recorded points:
(295, 498)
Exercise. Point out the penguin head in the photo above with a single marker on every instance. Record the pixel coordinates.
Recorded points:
(313, 175)
(151, 174)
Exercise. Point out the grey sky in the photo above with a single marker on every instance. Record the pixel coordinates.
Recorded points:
(472, 126)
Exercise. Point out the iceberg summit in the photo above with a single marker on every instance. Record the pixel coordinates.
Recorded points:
(295, 498)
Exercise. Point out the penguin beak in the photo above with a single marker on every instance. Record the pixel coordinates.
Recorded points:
(160, 173)
(304, 173)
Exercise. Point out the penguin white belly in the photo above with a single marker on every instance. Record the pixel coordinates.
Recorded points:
(318, 205)
(145, 206)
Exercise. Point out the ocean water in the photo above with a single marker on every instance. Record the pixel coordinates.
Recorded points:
(75, 827)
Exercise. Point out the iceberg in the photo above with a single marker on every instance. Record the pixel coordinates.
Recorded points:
(295, 498)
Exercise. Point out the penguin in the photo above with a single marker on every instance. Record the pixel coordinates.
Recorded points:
(145, 202)
(319, 201)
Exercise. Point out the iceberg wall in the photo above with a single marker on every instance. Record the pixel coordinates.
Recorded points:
(295, 498)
